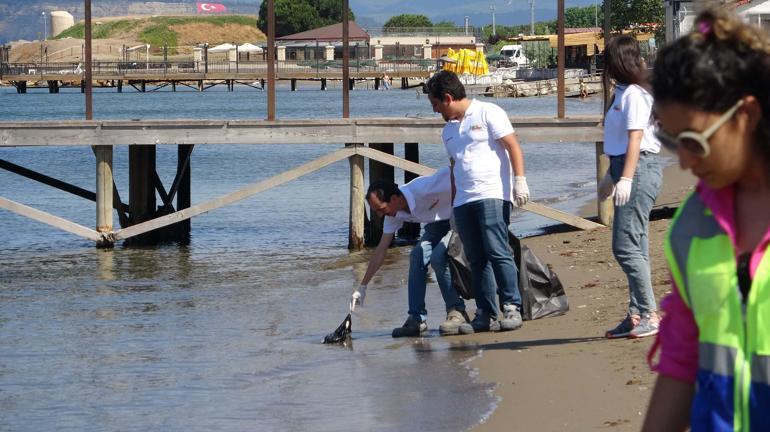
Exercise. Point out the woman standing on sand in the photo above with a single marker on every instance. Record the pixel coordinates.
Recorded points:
(634, 180)
(713, 101)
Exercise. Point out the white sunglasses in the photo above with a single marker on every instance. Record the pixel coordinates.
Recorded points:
(696, 143)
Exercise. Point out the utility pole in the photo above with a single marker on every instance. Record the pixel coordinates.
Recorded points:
(531, 17)
(45, 26)
(492, 8)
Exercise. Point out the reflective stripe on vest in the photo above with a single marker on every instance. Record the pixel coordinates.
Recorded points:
(734, 348)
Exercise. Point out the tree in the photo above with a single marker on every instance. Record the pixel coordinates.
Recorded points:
(408, 20)
(294, 16)
(446, 25)
(330, 11)
(637, 13)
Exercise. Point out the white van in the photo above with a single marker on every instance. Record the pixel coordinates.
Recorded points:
(513, 55)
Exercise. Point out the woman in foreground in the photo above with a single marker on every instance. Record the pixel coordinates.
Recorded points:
(712, 99)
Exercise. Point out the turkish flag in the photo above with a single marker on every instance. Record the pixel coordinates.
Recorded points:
(211, 7)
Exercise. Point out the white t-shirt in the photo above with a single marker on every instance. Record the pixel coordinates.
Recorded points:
(631, 110)
(482, 167)
(429, 199)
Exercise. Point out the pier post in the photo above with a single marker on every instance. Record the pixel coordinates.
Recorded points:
(410, 231)
(378, 171)
(141, 188)
(120, 86)
(293, 84)
(605, 209)
(357, 207)
(351, 84)
(200, 85)
(376, 83)
(262, 83)
(144, 86)
(82, 86)
(323, 84)
(173, 86)
(183, 201)
(104, 189)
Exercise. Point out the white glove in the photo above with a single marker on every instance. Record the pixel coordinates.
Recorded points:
(520, 190)
(358, 297)
(606, 187)
(623, 191)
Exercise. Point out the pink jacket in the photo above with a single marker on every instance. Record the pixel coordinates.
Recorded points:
(678, 336)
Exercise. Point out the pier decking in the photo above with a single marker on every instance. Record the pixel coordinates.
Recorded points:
(141, 215)
(201, 76)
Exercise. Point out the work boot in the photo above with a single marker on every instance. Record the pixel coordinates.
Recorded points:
(454, 319)
(481, 323)
(511, 318)
(411, 328)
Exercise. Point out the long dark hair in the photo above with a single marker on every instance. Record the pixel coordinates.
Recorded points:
(719, 62)
(623, 62)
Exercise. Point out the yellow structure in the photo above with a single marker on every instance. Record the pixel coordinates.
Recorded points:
(591, 40)
(467, 62)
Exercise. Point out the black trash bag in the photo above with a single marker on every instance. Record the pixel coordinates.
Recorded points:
(459, 267)
(542, 293)
(342, 334)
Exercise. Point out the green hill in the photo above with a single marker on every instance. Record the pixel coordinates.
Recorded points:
(172, 31)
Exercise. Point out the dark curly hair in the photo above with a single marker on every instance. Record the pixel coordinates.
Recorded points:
(445, 82)
(719, 62)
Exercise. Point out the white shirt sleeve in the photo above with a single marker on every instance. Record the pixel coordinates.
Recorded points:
(390, 225)
(637, 108)
(498, 123)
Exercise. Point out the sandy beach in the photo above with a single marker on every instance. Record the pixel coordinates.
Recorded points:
(559, 373)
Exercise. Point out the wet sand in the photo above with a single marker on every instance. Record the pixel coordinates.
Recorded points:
(558, 374)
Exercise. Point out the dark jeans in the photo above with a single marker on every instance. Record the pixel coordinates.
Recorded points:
(483, 229)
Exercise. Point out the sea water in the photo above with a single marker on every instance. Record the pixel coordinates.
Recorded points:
(224, 333)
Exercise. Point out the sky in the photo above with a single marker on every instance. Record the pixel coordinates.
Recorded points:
(506, 12)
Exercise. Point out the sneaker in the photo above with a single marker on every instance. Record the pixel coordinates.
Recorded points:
(624, 328)
(481, 323)
(411, 328)
(511, 318)
(454, 319)
(647, 326)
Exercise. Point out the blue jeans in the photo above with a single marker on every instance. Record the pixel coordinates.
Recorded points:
(630, 228)
(432, 248)
(483, 229)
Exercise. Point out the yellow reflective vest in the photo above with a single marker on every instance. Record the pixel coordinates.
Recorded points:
(733, 380)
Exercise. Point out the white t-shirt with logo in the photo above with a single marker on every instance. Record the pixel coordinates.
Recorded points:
(482, 167)
(631, 110)
(429, 199)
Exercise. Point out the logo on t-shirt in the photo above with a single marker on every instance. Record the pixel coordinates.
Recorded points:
(477, 127)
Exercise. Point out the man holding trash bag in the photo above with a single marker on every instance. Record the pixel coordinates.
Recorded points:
(485, 160)
(424, 200)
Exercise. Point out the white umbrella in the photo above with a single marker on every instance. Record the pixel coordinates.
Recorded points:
(249, 48)
(225, 47)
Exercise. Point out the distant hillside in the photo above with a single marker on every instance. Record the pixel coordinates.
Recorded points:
(173, 31)
(23, 19)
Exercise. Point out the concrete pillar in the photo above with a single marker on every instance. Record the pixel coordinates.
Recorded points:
(329, 52)
(480, 47)
(281, 53)
(378, 52)
(427, 51)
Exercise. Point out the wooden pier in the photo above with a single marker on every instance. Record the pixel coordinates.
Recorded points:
(363, 138)
(202, 76)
